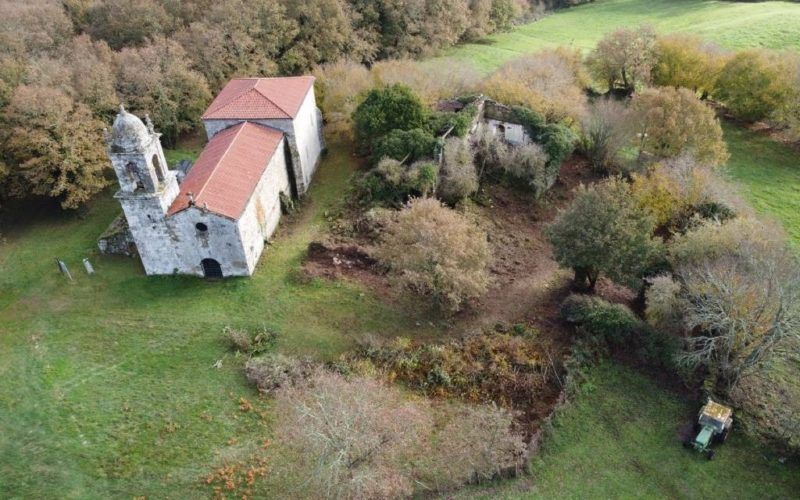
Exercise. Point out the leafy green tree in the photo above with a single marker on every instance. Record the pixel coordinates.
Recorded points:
(52, 147)
(404, 145)
(393, 183)
(603, 231)
(674, 121)
(384, 109)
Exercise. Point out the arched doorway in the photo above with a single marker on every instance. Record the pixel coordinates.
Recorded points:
(211, 268)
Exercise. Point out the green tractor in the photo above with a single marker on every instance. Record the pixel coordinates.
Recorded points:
(713, 425)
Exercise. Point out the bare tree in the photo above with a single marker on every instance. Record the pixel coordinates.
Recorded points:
(607, 128)
(354, 435)
(740, 301)
(479, 443)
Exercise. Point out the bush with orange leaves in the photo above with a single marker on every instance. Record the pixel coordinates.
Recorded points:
(549, 82)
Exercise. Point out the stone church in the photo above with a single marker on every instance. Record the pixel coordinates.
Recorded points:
(264, 142)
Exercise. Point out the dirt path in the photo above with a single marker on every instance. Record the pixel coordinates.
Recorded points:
(527, 282)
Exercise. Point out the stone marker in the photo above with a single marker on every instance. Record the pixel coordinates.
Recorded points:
(63, 268)
(88, 266)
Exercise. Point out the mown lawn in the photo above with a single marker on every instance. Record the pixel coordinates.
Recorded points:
(108, 385)
(620, 438)
(735, 25)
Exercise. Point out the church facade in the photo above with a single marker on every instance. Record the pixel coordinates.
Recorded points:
(264, 142)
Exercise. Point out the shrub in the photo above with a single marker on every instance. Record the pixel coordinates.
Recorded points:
(353, 438)
(663, 310)
(545, 82)
(615, 323)
(557, 140)
(477, 444)
(603, 230)
(404, 145)
(359, 438)
(755, 84)
(435, 251)
(459, 178)
(674, 122)
(248, 343)
(338, 86)
(606, 129)
(529, 164)
(393, 183)
(489, 367)
(441, 121)
(679, 192)
(624, 59)
(273, 371)
(687, 61)
(603, 323)
(491, 152)
(384, 109)
(432, 82)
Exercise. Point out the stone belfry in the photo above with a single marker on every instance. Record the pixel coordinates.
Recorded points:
(147, 187)
(135, 151)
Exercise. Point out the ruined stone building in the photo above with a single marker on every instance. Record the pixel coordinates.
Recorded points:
(264, 142)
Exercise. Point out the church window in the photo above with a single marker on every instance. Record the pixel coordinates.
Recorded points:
(133, 175)
(201, 227)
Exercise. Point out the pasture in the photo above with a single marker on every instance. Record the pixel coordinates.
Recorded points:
(117, 385)
(733, 25)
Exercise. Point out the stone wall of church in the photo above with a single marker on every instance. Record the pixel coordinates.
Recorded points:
(197, 234)
(263, 212)
(147, 223)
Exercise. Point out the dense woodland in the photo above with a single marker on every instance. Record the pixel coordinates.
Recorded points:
(66, 66)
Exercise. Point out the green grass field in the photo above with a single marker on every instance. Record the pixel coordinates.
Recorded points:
(621, 439)
(768, 175)
(108, 386)
(734, 25)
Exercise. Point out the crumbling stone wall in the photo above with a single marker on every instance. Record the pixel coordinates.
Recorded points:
(117, 239)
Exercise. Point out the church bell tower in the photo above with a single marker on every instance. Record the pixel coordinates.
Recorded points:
(135, 151)
(147, 188)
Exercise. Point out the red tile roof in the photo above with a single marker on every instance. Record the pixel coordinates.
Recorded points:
(228, 170)
(260, 98)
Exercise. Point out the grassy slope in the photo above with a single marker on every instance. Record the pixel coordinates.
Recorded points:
(108, 387)
(621, 440)
(731, 24)
(768, 174)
